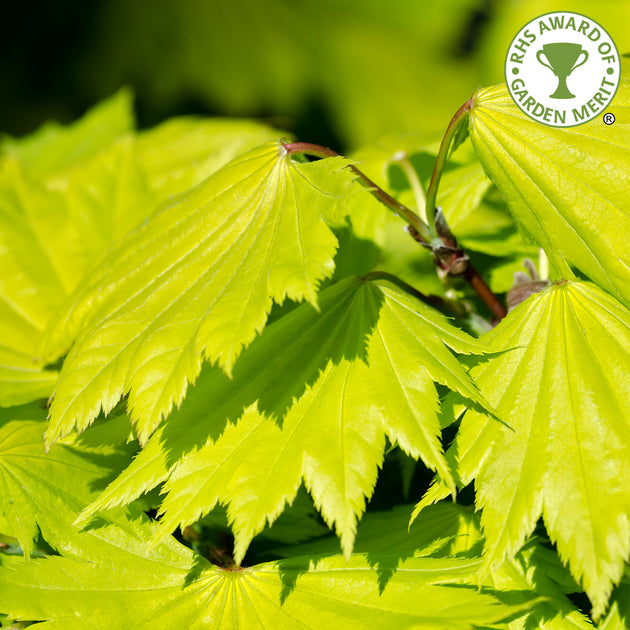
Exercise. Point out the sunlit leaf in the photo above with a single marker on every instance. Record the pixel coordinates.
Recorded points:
(196, 281)
(136, 591)
(563, 388)
(109, 575)
(312, 399)
(567, 187)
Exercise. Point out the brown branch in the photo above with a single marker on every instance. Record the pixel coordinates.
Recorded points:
(480, 287)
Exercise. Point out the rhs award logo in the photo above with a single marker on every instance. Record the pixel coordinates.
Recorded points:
(562, 69)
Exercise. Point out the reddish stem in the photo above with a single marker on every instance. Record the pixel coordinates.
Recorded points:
(480, 287)
(452, 257)
(440, 161)
(422, 229)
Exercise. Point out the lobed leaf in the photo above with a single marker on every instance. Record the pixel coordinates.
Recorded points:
(567, 187)
(563, 389)
(312, 399)
(109, 575)
(44, 491)
(67, 193)
(132, 593)
(196, 281)
(48, 240)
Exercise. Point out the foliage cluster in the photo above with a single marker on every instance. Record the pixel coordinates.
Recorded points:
(236, 338)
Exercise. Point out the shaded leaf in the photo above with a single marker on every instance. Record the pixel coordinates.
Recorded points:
(67, 193)
(109, 575)
(312, 399)
(444, 529)
(106, 196)
(20, 381)
(47, 230)
(37, 272)
(567, 187)
(462, 187)
(299, 522)
(534, 568)
(618, 616)
(44, 491)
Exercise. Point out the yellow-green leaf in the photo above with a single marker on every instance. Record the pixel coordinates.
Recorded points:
(563, 387)
(312, 399)
(567, 187)
(195, 281)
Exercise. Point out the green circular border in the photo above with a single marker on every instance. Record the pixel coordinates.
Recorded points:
(505, 73)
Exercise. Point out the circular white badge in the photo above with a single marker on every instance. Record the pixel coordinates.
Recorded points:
(562, 69)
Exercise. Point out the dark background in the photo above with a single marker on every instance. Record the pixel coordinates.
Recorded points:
(338, 72)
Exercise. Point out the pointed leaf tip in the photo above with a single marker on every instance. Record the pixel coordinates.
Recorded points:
(252, 233)
(311, 400)
(563, 388)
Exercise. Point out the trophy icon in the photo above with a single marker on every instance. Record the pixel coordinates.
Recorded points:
(562, 60)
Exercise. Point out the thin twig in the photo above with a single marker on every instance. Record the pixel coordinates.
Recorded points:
(480, 287)
(442, 155)
(447, 253)
(385, 198)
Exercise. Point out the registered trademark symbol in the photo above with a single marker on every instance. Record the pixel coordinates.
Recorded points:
(609, 118)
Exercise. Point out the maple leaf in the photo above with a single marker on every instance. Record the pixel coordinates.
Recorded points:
(44, 491)
(42, 239)
(446, 530)
(67, 193)
(562, 389)
(565, 186)
(313, 398)
(119, 578)
(197, 280)
(138, 590)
